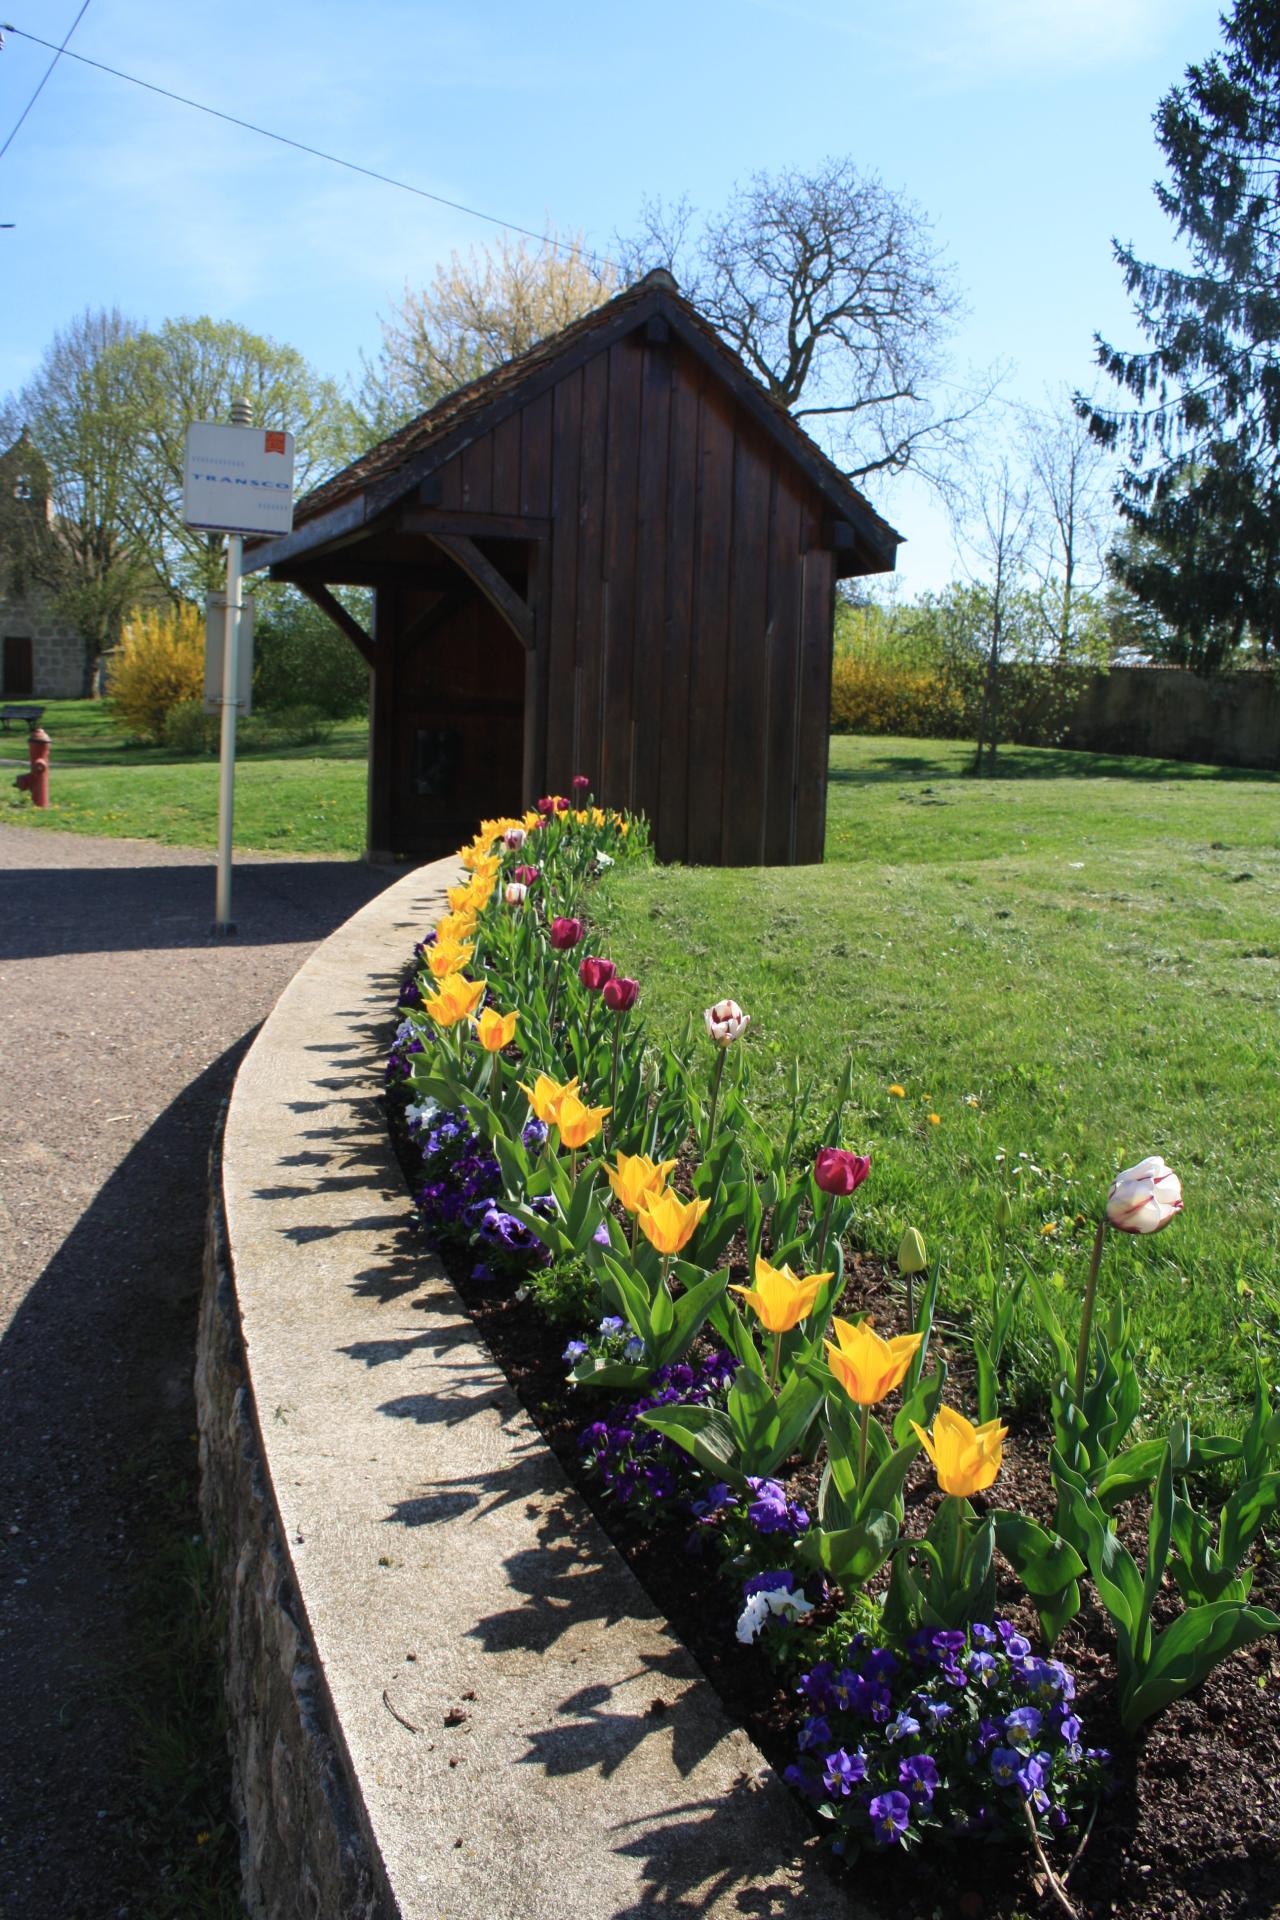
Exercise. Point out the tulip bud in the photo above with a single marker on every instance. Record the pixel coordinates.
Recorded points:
(562, 805)
(1004, 1211)
(566, 933)
(621, 994)
(546, 805)
(726, 1022)
(526, 875)
(514, 893)
(1144, 1198)
(594, 973)
(839, 1172)
(581, 784)
(513, 839)
(912, 1257)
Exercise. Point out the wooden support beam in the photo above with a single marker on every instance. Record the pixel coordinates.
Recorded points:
(476, 526)
(481, 571)
(329, 603)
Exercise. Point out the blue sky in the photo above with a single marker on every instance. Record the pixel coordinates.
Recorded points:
(1021, 127)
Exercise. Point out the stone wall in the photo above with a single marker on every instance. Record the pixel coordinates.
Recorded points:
(302, 1851)
(58, 651)
(1164, 713)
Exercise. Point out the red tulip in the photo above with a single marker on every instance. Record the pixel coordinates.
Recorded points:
(840, 1172)
(526, 875)
(594, 973)
(566, 933)
(581, 784)
(562, 805)
(546, 805)
(621, 994)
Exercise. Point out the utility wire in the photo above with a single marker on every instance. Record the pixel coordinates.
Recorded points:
(299, 146)
(57, 55)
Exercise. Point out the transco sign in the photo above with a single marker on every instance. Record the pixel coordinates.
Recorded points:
(238, 479)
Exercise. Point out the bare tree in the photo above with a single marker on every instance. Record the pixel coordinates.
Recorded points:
(478, 312)
(832, 289)
(999, 534)
(1070, 474)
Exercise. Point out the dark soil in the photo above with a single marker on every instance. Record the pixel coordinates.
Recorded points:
(1193, 1827)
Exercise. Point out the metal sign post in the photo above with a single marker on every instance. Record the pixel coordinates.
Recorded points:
(237, 481)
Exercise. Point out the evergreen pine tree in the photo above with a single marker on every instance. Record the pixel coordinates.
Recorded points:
(1202, 488)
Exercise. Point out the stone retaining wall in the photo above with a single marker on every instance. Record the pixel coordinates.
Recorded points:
(449, 1697)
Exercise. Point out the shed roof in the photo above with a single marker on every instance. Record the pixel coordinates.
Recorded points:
(399, 463)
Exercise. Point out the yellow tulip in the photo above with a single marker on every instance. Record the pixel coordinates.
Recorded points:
(545, 1096)
(454, 927)
(668, 1222)
(456, 999)
(866, 1366)
(578, 1124)
(780, 1298)
(447, 957)
(966, 1458)
(495, 1030)
(638, 1178)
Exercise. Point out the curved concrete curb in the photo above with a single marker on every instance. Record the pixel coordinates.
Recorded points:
(450, 1698)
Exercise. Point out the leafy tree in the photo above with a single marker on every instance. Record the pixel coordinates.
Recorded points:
(192, 370)
(478, 312)
(1202, 488)
(106, 415)
(82, 413)
(301, 659)
(830, 286)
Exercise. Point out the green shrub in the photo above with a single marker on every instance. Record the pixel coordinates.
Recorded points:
(298, 726)
(189, 729)
(300, 655)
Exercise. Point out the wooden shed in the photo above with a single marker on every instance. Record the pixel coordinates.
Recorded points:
(613, 556)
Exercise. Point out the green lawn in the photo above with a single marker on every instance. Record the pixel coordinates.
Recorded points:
(295, 799)
(1072, 968)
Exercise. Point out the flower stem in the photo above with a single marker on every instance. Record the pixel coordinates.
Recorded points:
(1086, 1320)
(555, 989)
(715, 1098)
(1056, 1887)
(777, 1360)
(862, 1445)
(613, 1077)
(826, 1228)
(573, 1166)
(666, 1268)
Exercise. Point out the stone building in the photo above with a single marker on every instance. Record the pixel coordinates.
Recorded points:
(42, 656)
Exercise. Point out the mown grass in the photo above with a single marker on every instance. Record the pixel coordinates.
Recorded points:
(287, 799)
(1072, 966)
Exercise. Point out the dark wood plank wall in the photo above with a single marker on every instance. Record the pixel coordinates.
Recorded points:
(683, 606)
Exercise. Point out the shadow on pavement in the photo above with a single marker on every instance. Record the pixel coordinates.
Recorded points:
(94, 909)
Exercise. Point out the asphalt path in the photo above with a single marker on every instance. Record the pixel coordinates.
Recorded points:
(122, 1021)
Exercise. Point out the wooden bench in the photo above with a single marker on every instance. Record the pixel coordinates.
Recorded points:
(32, 716)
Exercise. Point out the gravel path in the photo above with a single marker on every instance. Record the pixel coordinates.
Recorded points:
(122, 1025)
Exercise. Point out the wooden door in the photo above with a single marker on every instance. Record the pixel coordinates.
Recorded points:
(19, 667)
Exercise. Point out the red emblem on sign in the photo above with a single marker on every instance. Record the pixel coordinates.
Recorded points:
(274, 443)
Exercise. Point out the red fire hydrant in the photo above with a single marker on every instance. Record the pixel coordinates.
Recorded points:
(36, 783)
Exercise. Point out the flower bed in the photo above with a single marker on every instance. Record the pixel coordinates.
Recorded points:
(900, 1637)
